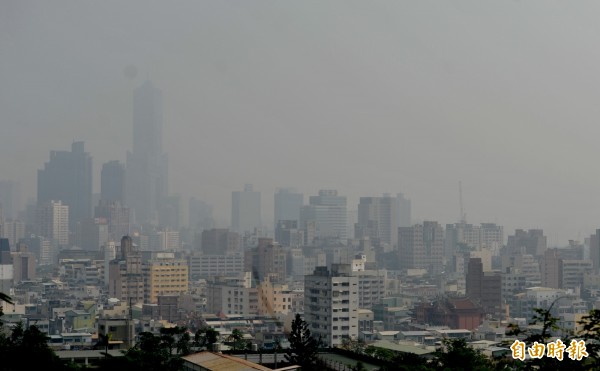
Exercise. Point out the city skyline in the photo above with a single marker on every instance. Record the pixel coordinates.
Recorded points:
(389, 103)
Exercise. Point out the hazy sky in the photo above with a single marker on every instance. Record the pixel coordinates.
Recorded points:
(363, 96)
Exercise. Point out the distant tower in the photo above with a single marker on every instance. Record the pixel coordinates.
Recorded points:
(147, 165)
(287, 205)
(245, 210)
(112, 182)
(68, 177)
(329, 214)
(404, 211)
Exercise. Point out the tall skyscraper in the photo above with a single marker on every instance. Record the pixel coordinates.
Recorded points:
(112, 182)
(245, 210)
(328, 212)
(68, 177)
(147, 165)
(287, 205)
(377, 219)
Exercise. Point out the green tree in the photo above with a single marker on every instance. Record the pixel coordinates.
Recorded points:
(458, 355)
(205, 337)
(27, 349)
(303, 346)
(237, 340)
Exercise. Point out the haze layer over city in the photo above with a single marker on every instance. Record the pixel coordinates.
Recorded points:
(362, 97)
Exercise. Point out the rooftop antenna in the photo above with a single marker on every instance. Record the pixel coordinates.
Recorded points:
(463, 216)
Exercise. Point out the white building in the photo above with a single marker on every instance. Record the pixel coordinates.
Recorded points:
(331, 303)
(52, 220)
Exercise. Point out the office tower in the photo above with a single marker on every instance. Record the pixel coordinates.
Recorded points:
(117, 217)
(220, 242)
(266, 261)
(53, 221)
(112, 182)
(328, 212)
(287, 205)
(67, 177)
(404, 211)
(421, 246)
(10, 199)
(462, 238)
(147, 165)
(533, 241)
(377, 219)
(126, 280)
(245, 210)
(24, 264)
(200, 215)
(331, 304)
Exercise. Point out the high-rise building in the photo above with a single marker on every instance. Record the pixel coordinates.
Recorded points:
(288, 234)
(200, 215)
(287, 205)
(112, 182)
(329, 213)
(147, 165)
(220, 241)
(52, 221)
(245, 210)
(24, 264)
(484, 288)
(126, 280)
(533, 241)
(6, 266)
(92, 234)
(14, 230)
(377, 217)
(404, 211)
(266, 261)
(331, 304)
(595, 249)
(421, 246)
(164, 277)
(67, 177)
(10, 199)
(117, 217)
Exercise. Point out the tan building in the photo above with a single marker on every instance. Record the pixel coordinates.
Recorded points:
(268, 259)
(274, 298)
(165, 277)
